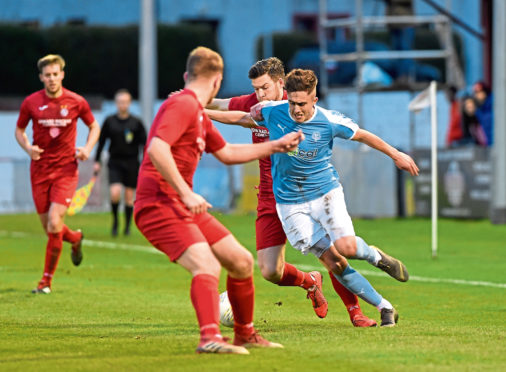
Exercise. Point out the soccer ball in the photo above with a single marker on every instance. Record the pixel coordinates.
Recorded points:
(226, 314)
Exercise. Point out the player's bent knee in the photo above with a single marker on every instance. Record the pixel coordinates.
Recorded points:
(242, 269)
(334, 261)
(347, 247)
(54, 224)
(270, 273)
(242, 266)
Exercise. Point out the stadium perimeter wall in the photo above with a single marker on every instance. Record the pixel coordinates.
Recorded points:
(368, 176)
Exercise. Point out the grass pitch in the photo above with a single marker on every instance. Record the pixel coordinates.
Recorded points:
(127, 307)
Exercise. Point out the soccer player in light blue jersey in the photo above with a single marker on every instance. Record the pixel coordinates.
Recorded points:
(309, 197)
(267, 78)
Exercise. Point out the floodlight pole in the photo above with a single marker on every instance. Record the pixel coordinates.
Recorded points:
(268, 49)
(148, 87)
(433, 124)
(498, 201)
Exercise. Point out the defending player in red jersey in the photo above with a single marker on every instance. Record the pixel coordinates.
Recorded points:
(175, 219)
(54, 111)
(267, 79)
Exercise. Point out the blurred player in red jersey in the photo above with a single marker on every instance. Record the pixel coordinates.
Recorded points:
(175, 219)
(54, 111)
(267, 79)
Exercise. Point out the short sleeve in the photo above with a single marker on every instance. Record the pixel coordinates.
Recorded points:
(342, 126)
(242, 103)
(24, 115)
(85, 113)
(266, 108)
(214, 140)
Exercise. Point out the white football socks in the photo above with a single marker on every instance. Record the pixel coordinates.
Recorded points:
(384, 304)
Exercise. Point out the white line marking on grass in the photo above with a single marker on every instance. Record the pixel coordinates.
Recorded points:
(420, 278)
(89, 243)
(123, 246)
(150, 249)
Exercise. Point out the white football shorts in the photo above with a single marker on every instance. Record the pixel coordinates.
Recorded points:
(305, 224)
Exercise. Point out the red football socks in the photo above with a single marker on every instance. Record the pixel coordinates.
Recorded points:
(349, 299)
(53, 251)
(294, 277)
(205, 299)
(241, 293)
(70, 236)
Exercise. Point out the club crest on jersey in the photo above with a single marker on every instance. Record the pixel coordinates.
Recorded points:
(64, 111)
(54, 132)
(316, 136)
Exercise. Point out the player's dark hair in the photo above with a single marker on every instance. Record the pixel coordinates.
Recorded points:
(271, 66)
(203, 62)
(122, 91)
(299, 80)
(49, 60)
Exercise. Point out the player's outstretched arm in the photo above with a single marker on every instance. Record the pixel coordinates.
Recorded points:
(33, 151)
(83, 153)
(402, 161)
(243, 153)
(160, 154)
(232, 117)
(219, 104)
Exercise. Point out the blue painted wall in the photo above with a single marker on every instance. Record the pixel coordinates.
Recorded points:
(241, 22)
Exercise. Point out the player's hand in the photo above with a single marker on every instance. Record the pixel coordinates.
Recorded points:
(35, 152)
(405, 162)
(82, 153)
(256, 112)
(289, 142)
(195, 203)
(96, 167)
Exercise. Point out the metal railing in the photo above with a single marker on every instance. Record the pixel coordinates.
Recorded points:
(359, 23)
(442, 24)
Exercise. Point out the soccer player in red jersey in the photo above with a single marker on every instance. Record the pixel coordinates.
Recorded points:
(54, 111)
(175, 219)
(267, 79)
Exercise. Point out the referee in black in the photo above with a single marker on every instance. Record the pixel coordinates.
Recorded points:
(127, 137)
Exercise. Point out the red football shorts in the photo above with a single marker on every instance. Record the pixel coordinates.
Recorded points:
(269, 232)
(58, 188)
(171, 228)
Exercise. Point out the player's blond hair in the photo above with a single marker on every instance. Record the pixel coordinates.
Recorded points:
(203, 62)
(299, 80)
(49, 60)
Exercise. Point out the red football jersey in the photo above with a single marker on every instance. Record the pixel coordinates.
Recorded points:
(54, 122)
(183, 124)
(258, 134)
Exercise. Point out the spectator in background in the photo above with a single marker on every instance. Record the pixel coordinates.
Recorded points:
(455, 134)
(402, 36)
(484, 111)
(472, 130)
(127, 135)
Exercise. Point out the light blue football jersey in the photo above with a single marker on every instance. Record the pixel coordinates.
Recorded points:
(306, 173)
